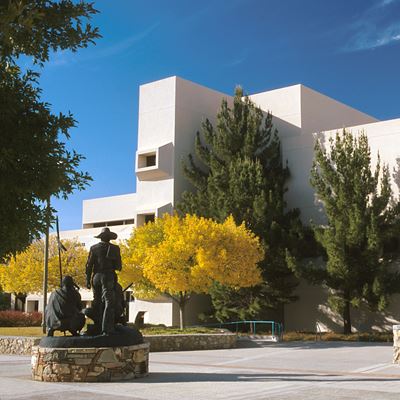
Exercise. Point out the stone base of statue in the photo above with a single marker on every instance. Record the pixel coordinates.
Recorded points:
(118, 357)
(396, 344)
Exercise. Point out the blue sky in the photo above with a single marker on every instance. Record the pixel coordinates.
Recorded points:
(349, 50)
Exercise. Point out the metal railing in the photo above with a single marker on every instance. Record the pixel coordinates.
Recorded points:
(318, 332)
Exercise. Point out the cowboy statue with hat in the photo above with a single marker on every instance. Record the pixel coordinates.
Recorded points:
(103, 260)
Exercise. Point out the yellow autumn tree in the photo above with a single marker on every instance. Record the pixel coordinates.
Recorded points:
(133, 254)
(24, 272)
(180, 256)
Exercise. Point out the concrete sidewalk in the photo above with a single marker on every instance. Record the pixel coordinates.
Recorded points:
(322, 370)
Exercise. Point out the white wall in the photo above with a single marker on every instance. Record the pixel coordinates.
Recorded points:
(113, 208)
(87, 236)
(163, 310)
(312, 307)
(194, 104)
(170, 113)
(383, 139)
(30, 301)
(156, 113)
(284, 103)
(312, 310)
(156, 129)
(158, 311)
(300, 112)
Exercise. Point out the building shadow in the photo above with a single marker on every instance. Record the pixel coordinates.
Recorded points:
(309, 345)
(186, 377)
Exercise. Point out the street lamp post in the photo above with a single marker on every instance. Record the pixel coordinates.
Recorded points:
(46, 265)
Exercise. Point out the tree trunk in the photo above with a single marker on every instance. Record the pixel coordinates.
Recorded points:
(346, 318)
(181, 310)
(182, 303)
(19, 301)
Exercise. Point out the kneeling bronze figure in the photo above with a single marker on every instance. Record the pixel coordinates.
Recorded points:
(64, 310)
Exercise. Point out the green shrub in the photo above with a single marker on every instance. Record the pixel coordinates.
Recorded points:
(339, 337)
(5, 301)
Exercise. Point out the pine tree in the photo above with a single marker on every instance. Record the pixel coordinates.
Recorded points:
(239, 172)
(396, 173)
(359, 237)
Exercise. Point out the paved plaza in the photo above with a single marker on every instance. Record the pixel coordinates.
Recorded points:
(321, 370)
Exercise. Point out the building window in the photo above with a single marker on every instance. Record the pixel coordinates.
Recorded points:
(144, 218)
(147, 160)
(151, 160)
(155, 164)
(109, 223)
(114, 223)
(32, 305)
(149, 218)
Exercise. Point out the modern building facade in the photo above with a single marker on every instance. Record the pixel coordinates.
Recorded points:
(170, 113)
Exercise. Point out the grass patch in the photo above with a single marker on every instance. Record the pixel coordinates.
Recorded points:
(339, 337)
(162, 330)
(148, 330)
(24, 331)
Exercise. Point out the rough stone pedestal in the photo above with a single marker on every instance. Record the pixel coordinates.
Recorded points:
(396, 344)
(91, 364)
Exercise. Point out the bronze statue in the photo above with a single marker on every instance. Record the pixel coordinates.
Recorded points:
(104, 259)
(63, 311)
(120, 305)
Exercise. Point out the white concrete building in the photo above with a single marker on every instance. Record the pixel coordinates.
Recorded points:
(170, 113)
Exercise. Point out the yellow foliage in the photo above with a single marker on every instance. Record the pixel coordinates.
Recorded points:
(133, 254)
(232, 256)
(182, 255)
(24, 273)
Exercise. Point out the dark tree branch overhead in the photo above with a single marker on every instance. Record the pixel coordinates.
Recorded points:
(35, 162)
(36, 27)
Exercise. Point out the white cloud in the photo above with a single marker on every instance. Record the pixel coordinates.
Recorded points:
(237, 61)
(63, 58)
(372, 37)
(124, 44)
(385, 3)
(373, 28)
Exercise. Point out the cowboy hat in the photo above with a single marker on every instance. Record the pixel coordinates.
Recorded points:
(106, 234)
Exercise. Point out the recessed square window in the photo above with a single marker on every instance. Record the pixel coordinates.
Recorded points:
(155, 164)
(145, 218)
(149, 218)
(150, 160)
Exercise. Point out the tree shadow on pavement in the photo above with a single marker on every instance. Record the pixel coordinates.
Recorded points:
(176, 377)
(308, 345)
